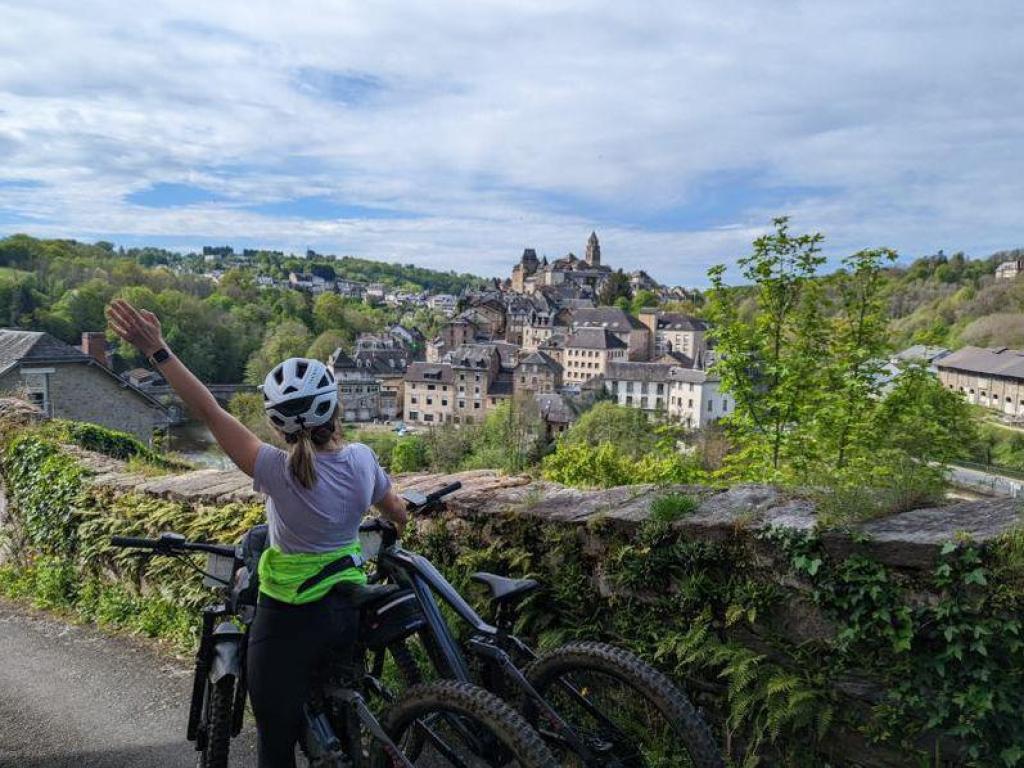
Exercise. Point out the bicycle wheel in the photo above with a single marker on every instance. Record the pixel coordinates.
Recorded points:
(459, 724)
(629, 714)
(215, 733)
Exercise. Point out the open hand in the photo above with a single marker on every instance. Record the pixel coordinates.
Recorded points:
(139, 327)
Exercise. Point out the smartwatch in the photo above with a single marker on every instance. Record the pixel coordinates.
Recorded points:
(160, 356)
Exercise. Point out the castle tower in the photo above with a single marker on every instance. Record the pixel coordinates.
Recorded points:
(593, 251)
(529, 261)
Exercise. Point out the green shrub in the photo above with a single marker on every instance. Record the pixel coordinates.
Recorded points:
(409, 455)
(672, 507)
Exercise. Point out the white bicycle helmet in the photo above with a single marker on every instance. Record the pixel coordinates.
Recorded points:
(299, 393)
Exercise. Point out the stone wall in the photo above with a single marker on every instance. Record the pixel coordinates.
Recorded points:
(745, 539)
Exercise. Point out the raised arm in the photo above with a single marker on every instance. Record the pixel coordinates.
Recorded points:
(141, 329)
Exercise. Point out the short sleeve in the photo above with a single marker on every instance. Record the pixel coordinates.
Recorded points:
(381, 481)
(269, 474)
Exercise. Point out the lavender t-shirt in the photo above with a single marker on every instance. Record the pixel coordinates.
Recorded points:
(326, 516)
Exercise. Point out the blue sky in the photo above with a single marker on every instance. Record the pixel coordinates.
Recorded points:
(454, 134)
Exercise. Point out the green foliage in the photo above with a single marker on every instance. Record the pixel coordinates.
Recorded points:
(409, 455)
(672, 506)
(614, 445)
(62, 286)
(119, 445)
(606, 465)
(289, 339)
(769, 361)
(802, 357)
(61, 528)
(615, 289)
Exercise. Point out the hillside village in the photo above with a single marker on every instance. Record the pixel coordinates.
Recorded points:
(539, 335)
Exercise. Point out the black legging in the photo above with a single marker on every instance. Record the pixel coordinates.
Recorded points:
(286, 645)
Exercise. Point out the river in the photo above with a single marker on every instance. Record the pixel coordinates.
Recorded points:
(195, 443)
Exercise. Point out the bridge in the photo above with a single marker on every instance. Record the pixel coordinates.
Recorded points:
(166, 395)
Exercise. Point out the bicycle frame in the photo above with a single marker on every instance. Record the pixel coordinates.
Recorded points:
(486, 641)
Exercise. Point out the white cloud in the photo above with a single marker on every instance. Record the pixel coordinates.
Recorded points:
(501, 125)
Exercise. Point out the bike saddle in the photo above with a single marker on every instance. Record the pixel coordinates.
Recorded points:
(504, 589)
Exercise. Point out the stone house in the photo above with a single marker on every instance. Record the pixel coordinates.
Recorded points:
(70, 383)
(674, 332)
(1008, 270)
(358, 388)
(463, 387)
(634, 334)
(993, 378)
(685, 395)
(588, 351)
(429, 389)
(537, 373)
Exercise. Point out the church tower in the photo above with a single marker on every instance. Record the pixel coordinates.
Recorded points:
(593, 251)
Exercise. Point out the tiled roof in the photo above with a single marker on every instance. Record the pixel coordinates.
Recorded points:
(432, 372)
(922, 352)
(38, 346)
(673, 321)
(999, 361)
(613, 318)
(637, 372)
(594, 338)
(472, 355)
(540, 358)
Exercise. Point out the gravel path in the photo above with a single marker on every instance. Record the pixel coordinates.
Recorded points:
(76, 697)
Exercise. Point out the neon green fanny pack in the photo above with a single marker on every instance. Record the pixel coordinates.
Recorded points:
(295, 577)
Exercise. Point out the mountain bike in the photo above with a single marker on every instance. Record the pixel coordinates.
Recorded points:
(448, 723)
(593, 703)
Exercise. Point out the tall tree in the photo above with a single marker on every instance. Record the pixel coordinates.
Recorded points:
(770, 362)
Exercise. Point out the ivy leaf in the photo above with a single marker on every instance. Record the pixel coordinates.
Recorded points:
(948, 548)
(977, 576)
(1011, 756)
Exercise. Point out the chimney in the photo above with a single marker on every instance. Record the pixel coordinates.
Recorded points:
(94, 344)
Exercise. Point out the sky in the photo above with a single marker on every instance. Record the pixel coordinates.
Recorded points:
(454, 134)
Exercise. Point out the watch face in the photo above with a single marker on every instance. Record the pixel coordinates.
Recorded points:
(160, 355)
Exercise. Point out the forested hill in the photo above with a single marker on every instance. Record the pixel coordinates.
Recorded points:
(954, 300)
(225, 331)
(27, 253)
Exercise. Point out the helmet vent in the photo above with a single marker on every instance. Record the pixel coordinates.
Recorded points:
(288, 390)
(300, 368)
(323, 407)
(277, 419)
(279, 376)
(324, 381)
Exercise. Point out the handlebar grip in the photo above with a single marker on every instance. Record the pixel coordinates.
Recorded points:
(450, 488)
(133, 541)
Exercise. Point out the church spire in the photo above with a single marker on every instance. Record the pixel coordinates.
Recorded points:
(593, 251)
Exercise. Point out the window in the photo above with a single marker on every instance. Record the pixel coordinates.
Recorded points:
(431, 387)
(629, 399)
(711, 406)
(430, 401)
(428, 417)
(476, 404)
(37, 387)
(691, 402)
(413, 400)
(413, 415)
(444, 402)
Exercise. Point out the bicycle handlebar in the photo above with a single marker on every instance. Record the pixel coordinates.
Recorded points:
(439, 494)
(170, 546)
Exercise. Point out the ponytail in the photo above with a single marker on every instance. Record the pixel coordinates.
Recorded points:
(302, 459)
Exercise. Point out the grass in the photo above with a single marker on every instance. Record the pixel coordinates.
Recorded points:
(672, 507)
